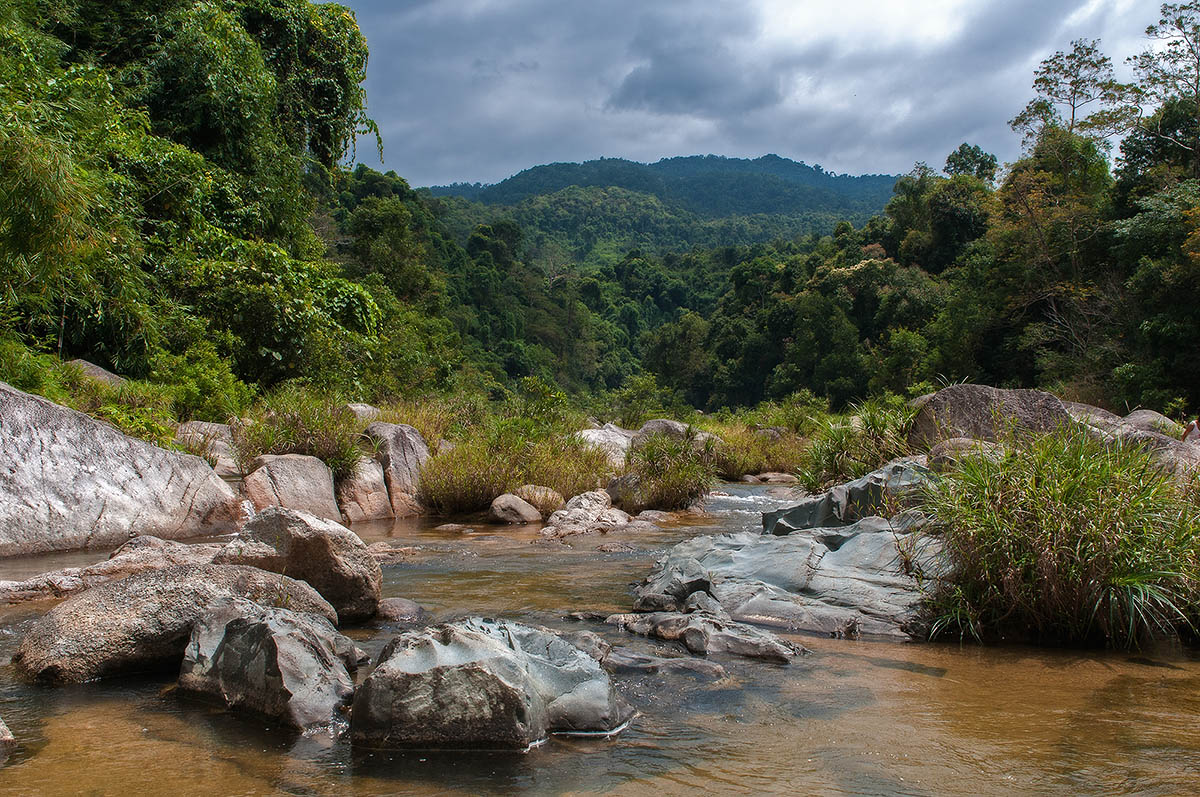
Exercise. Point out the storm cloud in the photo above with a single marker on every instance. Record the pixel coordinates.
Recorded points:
(476, 90)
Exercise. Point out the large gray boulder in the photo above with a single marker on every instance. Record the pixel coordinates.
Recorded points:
(142, 623)
(983, 413)
(482, 684)
(675, 429)
(883, 491)
(587, 513)
(363, 495)
(1156, 433)
(703, 633)
(327, 555)
(1151, 421)
(510, 509)
(611, 439)
(214, 440)
(841, 581)
(402, 453)
(291, 666)
(363, 413)
(68, 481)
(295, 481)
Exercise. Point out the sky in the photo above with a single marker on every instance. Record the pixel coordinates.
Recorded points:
(477, 90)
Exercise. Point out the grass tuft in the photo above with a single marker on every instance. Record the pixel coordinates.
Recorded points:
(300, 420)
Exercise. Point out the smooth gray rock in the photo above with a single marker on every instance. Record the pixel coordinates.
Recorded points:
(1151, 421)
(618, 659)
(363, 495)
(402, 452)
(510, 509)
(142, 623)
(1092, 416)
(675, 429)
(216, 442)
(68, 481)
(983, 413)
(889, 488)
(612, 439)
(291, 666)
(703, 633)
(842, 581)
(295, 481)
(327, 555)
(482, 684)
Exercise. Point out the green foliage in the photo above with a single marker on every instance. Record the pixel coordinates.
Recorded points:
(674, 473)
(295, 419)
(845, 447)
(466, 478)
(1066, 539)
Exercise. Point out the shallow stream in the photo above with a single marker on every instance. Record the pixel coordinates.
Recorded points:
(851, 718)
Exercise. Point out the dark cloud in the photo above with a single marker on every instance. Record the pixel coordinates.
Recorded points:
(480, 89)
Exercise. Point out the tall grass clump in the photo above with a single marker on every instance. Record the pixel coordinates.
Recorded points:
(300, 420)
(466, 478)
(746, 450)
(845, 447)
(1065, 540)
(674, 472)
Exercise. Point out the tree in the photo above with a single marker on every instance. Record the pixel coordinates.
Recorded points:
(1172, 71)
(1075, 82)
(970, 159)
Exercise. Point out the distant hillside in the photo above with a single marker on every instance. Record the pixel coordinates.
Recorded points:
(709, 186)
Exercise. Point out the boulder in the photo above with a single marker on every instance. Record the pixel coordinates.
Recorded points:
(98, 374)
(482, 684)
(983, 413)
(627, 492)
(587, 513)
(508, 508)
(882, 491)
(841, 581)
(612, 439)
(142, 623)
(364, 413)
(1092, 416)
(544, 499)
(401, 610)
(1151, 421)
(214, 441)
(290, 666)
(363, 495)
(948, 453)
(675, 429)
(325, 554)
(68, 481)
(704, 633)
(294, 481)
(402, 453)
(778, 478)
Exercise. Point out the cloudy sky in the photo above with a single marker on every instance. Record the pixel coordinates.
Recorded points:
(476, 90)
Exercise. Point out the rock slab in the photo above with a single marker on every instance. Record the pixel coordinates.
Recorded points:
(482, 684)
(887, 488)
(68, 481)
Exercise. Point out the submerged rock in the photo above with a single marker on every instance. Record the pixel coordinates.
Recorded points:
(294, 481)
(983, 413)
(68, 481)
(326, 554)
(482, 684)
(402, 453)
(704, 632)
(142, 623)
(885, 491)
(291, 666)
(842, 581)
(401, 610)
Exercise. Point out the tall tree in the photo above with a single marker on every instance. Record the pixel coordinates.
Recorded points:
(1076, 91)
(1171, 72)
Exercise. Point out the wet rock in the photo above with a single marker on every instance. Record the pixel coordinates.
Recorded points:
(290, 666)
(615, 547)
(948, 453)
(610, 438)
(68, 481)
(8, 742)
(98, 374)
(842, 581)
(587, 513)
(983, 413)
(294, 481)
(617, 659)
(142, 623)
(510, 509)
(401, 610)
(543, 499)
(880, 492)
(214, 441)
(364, 413)
(402, 453)
(675, 429)
(704, 633)
(655, 516)
(363, 495)
(482, 684)
(321, 552)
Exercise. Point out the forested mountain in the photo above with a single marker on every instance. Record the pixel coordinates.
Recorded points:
(174, 206)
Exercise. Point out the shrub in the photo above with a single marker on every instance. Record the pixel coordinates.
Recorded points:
(467, 478)
(846, 447)
(744, 450)
(674, 472)
(565, 464)
(300, 420)
(1065, 539)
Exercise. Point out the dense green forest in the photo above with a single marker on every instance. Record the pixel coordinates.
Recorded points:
(174, 206)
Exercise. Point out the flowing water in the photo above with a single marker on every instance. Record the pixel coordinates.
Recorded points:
(851, 718)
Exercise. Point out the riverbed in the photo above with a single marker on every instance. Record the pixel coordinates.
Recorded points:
(853, 717)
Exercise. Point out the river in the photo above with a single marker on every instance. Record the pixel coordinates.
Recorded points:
(854, 717)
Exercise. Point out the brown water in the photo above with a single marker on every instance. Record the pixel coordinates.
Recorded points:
(852, 718)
